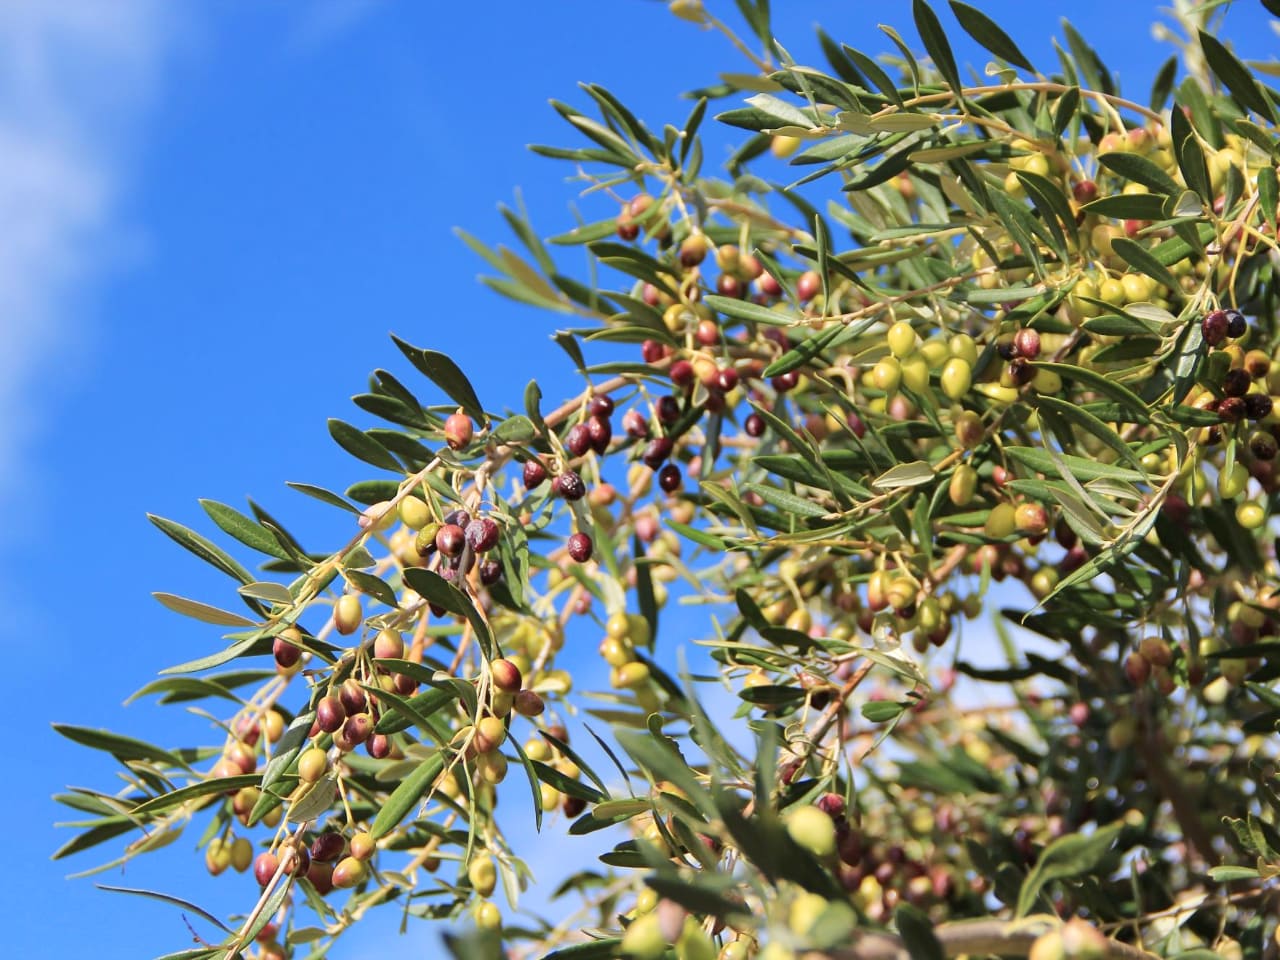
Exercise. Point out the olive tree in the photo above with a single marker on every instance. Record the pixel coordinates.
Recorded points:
(935, 345)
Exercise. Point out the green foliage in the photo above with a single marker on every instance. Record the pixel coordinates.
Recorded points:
(930, 348)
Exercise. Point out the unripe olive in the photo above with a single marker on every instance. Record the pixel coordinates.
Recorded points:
(964, 482)
(241, 854)
(643, 939)
(963, 347)
(901, 593)
(887, 374)
(629, 675)
(1251, 515)
(348, 614)
(1232, 483)
(804, 912)
(492, 767)
(1048, 946)
(548, 797)
(812, 829)
(1080, 941)
(483, 875)
(217, 856)
(1111, 291)
(956, 378)
(694, 943)
(488, 916)
(1046, 381)
(902, 339)
(915, 373)
(1122, 733)
(1043, 581)
(783, 146)
(1001, 522)
(312, 764)
(272, 726)
(414, 512)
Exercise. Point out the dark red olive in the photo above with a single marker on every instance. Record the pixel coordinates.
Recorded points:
(570, 486)
(634, 423)
(580, 547)
(330, 714)
(668, 409)
(534, 474)
(657, 451)
(490, 572)
(599, 432)
(669, 478)
(482, 534)
(450, 539)
(578, 441)
(1213, 328)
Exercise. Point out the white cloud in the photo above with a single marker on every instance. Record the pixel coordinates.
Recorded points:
(75, 78)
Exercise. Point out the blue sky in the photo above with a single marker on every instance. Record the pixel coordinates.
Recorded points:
(214, 214)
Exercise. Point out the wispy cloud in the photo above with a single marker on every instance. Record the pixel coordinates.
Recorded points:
(325, 20)
(75, 79)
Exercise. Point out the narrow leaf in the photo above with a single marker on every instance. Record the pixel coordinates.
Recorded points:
(206, 550)
(988, 33)
(175, 901)
(446, 375)
(202, 611)
(411, 789)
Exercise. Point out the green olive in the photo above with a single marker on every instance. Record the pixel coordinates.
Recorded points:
(1001, 521)
(903, 340)
(964, 482)
(1231, 483)
(956, 377)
